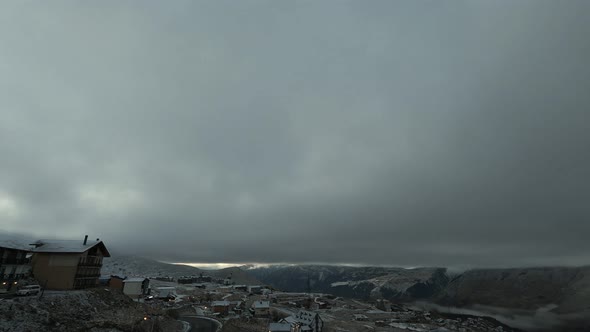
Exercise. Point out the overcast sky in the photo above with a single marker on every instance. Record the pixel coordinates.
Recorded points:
(369, 132)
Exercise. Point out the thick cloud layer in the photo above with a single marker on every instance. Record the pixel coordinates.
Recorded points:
(382, 132)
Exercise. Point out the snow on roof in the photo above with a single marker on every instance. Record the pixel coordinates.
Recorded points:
(67, 246)
(134, 280)
(220, 303)
(261, 304)
(303, 316)
(290, 320)
(14, 244)
(15, 241)
(279, 327)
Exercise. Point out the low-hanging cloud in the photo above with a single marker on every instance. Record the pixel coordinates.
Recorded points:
(396, 133)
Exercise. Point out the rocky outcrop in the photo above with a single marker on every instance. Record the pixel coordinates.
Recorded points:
(89, 310)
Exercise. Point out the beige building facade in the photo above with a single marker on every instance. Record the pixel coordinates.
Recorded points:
(68, 264)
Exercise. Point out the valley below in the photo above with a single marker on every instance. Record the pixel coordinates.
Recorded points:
(529, 299)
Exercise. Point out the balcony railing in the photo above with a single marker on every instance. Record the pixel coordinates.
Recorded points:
(15, 261)
(90, 261)
(12, 276)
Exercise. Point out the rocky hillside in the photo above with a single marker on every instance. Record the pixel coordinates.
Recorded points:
(358, 282)
(97, 310)
(533, 299)
(566, 289)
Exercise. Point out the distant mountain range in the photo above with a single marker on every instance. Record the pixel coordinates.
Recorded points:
(139, 266)
(534, 299)
(566, 289)
(358, 282)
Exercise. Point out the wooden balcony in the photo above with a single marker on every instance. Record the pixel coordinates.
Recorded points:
(90, 261)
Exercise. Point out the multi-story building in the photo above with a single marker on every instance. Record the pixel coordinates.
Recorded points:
(68, 264)
(15, 263)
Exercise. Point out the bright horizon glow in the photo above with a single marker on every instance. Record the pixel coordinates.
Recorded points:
(217, 266)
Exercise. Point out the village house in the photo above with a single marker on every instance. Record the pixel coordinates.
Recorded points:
(255, 289)
(305, 321)
(236, 306)
(68, 264)
(116, 282)
(240, 287)
(360, 317)
(166, 292)
(136, 288)
(261, 308)
(220, 307)
(15, 264)
(384, 305)
(161, 278)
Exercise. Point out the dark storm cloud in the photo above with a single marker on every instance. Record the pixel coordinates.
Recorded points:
(402, 133)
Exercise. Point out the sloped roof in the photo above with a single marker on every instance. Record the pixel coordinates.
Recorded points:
(134, 280)
(261, 304)
(68, 246)
(14, 244)
(15, 241)
(304, 317)
(220, 303)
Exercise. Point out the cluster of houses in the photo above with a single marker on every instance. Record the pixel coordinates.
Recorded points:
(76, 264)
(302, 321)
(135, 288)
(194, 279)
(55, 264)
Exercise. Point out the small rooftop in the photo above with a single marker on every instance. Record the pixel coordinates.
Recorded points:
(135, 280)
(261, 304)
(220, 303)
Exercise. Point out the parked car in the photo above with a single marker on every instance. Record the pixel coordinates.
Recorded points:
(29, 290)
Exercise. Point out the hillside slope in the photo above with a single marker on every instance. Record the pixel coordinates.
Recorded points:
(145, 267)
(238, 276)
(140, 266)
(358, 282)
(82, 310)
(567, 288)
